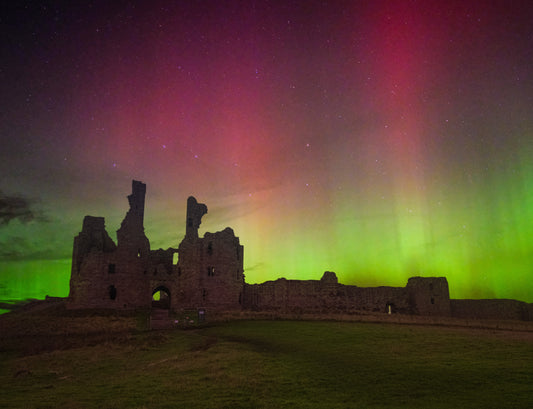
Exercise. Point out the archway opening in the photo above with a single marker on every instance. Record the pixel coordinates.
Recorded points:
(161, 298)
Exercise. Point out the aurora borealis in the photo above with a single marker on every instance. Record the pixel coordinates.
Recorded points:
(377, 139)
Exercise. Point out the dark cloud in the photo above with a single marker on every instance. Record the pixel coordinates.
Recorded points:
(256, 266)
(16, 248)
(18, 207)
(13, 305)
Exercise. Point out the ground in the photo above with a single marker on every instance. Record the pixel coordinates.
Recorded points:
(88, 360)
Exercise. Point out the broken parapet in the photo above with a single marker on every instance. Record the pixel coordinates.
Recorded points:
(195, 212)
(91, 247)
(130, 235)
(92, 238)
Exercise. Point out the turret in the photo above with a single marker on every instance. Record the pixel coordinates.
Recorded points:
(130, 235)
(195, 212)
(429, 295)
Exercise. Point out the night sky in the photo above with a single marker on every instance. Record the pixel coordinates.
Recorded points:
(377, 139)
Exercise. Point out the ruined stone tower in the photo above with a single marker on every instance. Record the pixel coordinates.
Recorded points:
(108, 275)
(195, 212)
(130, 236)
(210, 268)
(209, 271)
(429, 295)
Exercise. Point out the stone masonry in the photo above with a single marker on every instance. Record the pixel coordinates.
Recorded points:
(209, 274)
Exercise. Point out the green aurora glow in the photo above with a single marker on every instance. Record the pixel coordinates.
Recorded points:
(379, 140)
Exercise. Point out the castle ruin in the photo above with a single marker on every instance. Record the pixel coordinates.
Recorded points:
(209, 274)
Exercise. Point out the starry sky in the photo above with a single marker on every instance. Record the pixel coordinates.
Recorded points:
(377, 139)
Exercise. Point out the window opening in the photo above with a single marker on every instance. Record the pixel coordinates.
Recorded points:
(111, 269)
(112, 292)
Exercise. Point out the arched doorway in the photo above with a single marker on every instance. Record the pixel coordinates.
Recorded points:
(161, 298)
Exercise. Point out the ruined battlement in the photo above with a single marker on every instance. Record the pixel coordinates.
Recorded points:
(195, 212)
(93, 238)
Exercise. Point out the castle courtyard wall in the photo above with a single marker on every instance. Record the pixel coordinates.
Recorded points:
(497, 309)
(314, 296)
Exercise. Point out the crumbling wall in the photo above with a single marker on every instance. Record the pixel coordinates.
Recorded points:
(93, 238)
(325, 295)
(379, 299)
(161, 262)
(195, 212)
(497, 309)
(131, 241)
(105, 275)
(283, 295)
(222, 269)
(91, 253)
(190, 258)
(210, 269)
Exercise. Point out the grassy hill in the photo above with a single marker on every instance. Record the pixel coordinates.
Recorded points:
(72, 360)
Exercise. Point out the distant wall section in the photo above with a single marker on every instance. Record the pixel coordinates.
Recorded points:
(424, 296)
(497, 309)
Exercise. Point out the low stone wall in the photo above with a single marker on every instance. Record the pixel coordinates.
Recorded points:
(497, 309)
(314, 296)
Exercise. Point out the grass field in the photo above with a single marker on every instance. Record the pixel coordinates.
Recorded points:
(263, 364)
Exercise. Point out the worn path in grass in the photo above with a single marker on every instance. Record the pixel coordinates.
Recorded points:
(275, 364)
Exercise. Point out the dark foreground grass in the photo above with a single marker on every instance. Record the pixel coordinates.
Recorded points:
(279, 364)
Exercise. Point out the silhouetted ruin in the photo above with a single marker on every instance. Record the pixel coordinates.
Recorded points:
(209, 275)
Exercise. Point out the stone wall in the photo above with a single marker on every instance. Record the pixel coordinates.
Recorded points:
(90, 257)
(209, 274)
(429, 295)
(325, 295)
(209, 271)
(498, 309)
